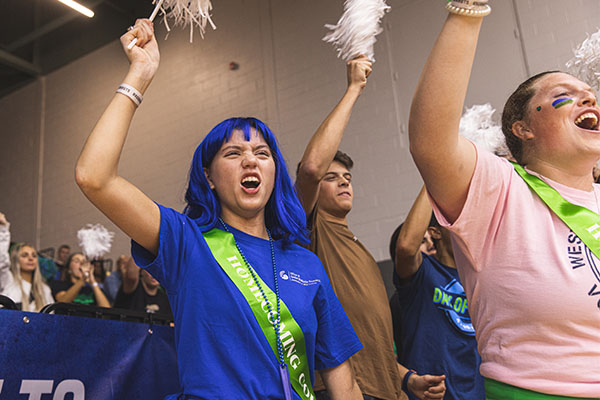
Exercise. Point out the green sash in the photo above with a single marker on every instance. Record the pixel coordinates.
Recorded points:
(584, 222)
(495, 390)
(222, 245)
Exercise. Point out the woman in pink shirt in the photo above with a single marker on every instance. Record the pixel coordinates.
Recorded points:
(533, 285)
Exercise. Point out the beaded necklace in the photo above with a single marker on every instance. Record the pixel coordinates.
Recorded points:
(275, 321)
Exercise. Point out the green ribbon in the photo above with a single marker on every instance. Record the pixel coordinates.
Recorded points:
(223, 248)
(584, 222)
(495, 390)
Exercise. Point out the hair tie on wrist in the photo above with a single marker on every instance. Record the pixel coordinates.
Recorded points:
(131, 92)
(405, 380)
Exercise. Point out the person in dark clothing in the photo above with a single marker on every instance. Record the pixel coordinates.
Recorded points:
(435, 335)
(80, 285)
(140, 291)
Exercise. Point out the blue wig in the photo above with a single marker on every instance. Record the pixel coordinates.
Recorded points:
(284, 215)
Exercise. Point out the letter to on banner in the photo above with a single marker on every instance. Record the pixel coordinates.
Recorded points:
(70, 386)
(36, 388)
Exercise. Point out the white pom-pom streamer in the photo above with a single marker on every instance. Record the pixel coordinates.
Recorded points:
(95, 240)
(189, 13)
(478, 126)
(585, 65)
(355, 32)
(184, 12)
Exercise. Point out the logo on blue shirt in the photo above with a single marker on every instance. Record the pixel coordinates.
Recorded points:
(294, 277)
(453, 301)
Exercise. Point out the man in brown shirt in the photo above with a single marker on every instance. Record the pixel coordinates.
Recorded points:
(325, 189)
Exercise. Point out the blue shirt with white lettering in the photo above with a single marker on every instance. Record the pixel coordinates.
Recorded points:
(437, 334)
(222, 352)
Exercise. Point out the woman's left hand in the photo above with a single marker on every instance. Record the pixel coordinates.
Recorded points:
(427, 387)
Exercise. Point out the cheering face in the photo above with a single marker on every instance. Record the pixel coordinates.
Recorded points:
(243, 174)
(427, 245)
(563, 120)
(28, 260)
(335, 190)
(63, 254)
(77, 261)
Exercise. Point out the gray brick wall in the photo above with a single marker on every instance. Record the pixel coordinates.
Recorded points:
(289, 78)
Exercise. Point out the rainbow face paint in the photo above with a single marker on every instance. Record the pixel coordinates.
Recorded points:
(558, 103)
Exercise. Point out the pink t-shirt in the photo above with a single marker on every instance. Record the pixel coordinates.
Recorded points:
(533, 287)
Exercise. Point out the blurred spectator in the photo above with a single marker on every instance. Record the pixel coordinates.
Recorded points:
(20, 276)
(112, 283)
(80, 285)
(99, 271)
(436, 335)
(140, 291)
(61, 258)
(48, 268)
(427, 247)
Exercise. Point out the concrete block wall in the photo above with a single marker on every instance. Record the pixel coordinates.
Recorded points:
(19, 160)
(287, 77)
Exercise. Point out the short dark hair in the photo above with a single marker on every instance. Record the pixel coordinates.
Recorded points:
(433, 222)
(64, 246)
(393, 241)
(515, 109)
(343, 159)
(340, 157)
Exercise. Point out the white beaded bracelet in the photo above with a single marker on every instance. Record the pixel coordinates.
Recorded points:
(131, 92)
(469, 8)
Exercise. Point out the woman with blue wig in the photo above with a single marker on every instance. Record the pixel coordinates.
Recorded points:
(255, 314)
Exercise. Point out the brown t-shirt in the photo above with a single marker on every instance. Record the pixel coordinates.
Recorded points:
(357, 282)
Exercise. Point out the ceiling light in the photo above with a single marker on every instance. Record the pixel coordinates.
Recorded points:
(78, 7)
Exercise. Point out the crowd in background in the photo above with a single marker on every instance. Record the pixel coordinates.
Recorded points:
(33, 281)
(535, 338)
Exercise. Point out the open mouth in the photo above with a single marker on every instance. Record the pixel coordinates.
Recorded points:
(251, 182)
(588, 121)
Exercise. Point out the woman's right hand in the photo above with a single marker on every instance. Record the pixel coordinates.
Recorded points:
(87, 272)
(144, 57)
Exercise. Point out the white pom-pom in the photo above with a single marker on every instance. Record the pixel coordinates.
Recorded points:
(478, 126)
(585, 65)
(355, 32)
(95, 240)
(188, 13)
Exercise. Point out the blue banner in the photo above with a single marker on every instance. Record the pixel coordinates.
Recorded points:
(56, 357)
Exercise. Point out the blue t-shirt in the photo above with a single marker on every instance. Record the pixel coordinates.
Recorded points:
(222, 352)
(437, 334)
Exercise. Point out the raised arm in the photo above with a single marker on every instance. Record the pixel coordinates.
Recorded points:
(325, 142)
(4, 245)
(131, 277)
(408, 256)
(445, 159)
(96, 170)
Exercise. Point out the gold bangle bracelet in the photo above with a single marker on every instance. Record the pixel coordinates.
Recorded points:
(469, 12)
